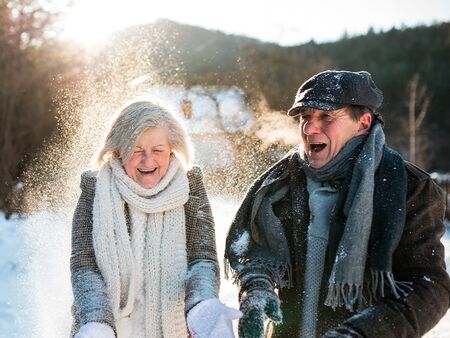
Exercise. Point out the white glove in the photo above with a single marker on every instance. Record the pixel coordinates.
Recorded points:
(210, 318)
(95, 330)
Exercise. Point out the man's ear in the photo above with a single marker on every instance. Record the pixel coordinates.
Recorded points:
(365, 121)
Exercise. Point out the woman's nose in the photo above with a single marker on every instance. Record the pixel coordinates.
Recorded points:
(147, 159)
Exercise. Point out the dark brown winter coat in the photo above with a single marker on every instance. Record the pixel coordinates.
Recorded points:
(418, 258)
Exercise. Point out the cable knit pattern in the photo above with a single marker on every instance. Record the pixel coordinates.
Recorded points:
(141, 275)
(170, 192)
(138, 243)
(172, 274)
(200, 251)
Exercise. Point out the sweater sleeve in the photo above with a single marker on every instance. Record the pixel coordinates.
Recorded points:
(203, 276)
(419, 259)
(91, 303)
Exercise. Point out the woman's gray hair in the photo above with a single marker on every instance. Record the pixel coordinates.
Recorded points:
(135, 119)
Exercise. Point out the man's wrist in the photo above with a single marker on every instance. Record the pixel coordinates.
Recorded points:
(256, 284)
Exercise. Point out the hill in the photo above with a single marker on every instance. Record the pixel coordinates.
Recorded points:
(191, 55)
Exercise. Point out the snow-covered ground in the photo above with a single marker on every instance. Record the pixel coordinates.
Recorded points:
(35, 294)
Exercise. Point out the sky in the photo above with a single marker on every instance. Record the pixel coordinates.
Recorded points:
(286, 22)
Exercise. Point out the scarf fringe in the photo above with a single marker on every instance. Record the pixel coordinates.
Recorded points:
(349, 295)
(344, 294)
(378, 281)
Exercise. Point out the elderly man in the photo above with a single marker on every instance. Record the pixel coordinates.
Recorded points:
(344, 229)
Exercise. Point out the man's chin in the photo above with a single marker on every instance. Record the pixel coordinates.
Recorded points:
(316, 163)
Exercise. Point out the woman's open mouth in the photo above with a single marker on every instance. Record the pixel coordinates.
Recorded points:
(147, 171)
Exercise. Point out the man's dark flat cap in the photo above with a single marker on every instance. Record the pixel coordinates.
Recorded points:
(335, 89)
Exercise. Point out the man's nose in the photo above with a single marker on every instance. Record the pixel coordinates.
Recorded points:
(311, 127)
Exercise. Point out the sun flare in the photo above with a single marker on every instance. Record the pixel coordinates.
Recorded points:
(93, 22)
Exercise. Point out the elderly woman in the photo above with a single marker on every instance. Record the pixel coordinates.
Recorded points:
(144, 260)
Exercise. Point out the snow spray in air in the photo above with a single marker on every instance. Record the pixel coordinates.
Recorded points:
(52, 181)
(233, 144)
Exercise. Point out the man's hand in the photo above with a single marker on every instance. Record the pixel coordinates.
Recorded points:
(256, 305)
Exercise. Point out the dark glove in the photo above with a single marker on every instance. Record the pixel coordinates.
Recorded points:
(342, 332)
(256, 305)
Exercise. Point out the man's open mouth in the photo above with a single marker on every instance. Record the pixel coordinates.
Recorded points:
(316, 147)
(147, 171)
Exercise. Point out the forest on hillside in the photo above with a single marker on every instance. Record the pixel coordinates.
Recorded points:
(410, 65)
(404, 63)
(40, 76)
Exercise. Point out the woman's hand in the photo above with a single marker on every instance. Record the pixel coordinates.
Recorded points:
(211, 318)
(95, 330)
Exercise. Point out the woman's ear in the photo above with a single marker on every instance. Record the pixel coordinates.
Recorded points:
(365, 121)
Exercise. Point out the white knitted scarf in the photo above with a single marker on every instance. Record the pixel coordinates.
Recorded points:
(145, 272)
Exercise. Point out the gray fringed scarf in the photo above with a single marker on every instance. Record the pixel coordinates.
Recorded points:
(372, 200)
(346, 281)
